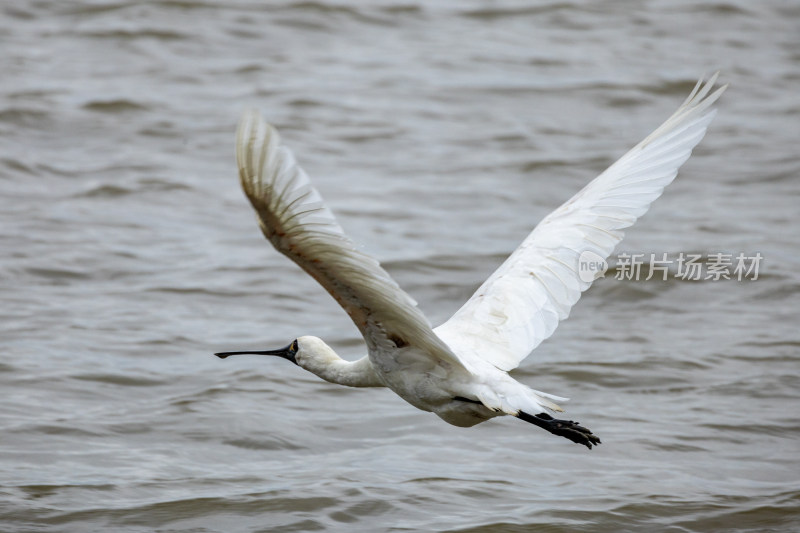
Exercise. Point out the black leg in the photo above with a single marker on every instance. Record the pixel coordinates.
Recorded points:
(565, 428)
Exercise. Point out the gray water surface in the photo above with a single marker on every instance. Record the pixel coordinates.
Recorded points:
(440, 134)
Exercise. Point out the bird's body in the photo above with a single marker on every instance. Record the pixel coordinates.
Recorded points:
(459, 370)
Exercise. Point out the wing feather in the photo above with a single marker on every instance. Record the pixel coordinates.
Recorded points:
(294, 218)
(522, 302)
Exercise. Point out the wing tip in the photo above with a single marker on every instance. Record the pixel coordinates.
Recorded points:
(697, 106)
(704, 97)
(252, 126)
(249, 118)
(256, 142)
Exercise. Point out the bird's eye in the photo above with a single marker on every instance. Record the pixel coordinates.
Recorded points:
(293, 346)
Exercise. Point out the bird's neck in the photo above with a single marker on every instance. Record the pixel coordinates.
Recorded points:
(349, 373)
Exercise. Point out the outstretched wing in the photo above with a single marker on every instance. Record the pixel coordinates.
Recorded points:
(294, 219)
(522, 302)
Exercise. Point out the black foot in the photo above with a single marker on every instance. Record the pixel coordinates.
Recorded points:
(565, 428)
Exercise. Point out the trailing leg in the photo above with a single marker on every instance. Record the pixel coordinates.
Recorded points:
(565, 428)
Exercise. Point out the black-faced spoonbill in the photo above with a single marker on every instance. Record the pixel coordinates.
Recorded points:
(459, 370)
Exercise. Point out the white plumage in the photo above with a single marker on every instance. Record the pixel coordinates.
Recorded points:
(459, 370)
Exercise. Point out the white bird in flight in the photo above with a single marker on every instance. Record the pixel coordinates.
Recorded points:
(459, 370)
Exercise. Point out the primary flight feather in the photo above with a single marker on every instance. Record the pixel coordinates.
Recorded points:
(459, 370)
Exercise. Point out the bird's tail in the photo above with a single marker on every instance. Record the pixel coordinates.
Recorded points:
(511, 397)
(546, 400)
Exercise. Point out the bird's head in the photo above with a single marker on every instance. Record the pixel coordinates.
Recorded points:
(309, 353)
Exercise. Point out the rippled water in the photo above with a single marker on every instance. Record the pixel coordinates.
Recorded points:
(439, 134)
